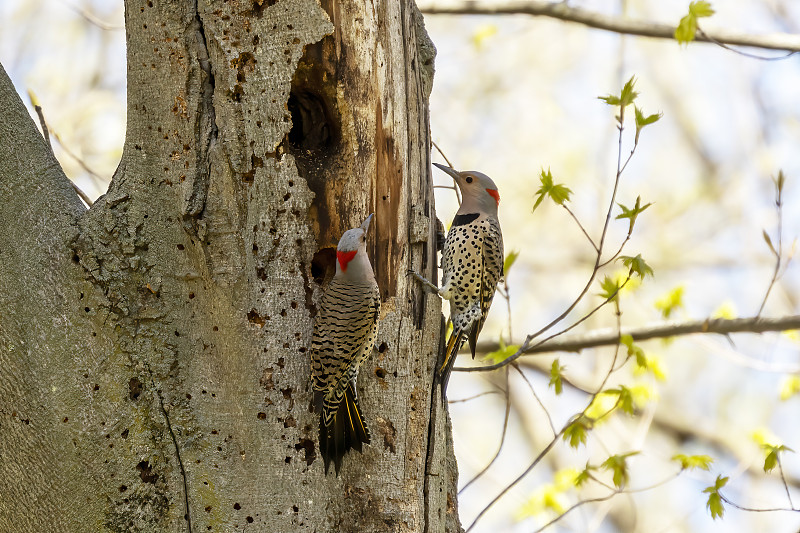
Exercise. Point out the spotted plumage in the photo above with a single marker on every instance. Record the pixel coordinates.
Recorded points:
(472, 262)
(344, 334)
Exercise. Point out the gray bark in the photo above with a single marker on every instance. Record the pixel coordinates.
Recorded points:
(154, 372)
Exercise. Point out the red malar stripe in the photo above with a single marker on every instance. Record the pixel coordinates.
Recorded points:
(345, 258)
(494, 194)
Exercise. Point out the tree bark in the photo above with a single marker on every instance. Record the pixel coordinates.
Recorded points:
(155, 371)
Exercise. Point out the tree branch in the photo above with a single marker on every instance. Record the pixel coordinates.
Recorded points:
(610, 337)
(562, 11)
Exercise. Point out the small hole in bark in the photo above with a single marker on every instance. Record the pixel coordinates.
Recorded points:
(382, 348)
(146, 472)
(249, 519)
(134, 388)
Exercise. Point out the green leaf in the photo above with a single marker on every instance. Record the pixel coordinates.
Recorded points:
(576, 431)
(511, 258)
(584, 476)
(503, 353)
(628, 95)
(632, 214)
(789, 387)
(555, 377)
(555, 191)
(686, 30)
(687, 27)
(637, 266)
(624, 398)
(634, 350)
(670, 302)
(701, 9)
(625, 98)
(691, 462)
(714, 503)
(609, 288)
(618, 466)
(642, 121)
(771, 460)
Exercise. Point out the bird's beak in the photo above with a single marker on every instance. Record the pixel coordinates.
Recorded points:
(365, 225)
(451, 172)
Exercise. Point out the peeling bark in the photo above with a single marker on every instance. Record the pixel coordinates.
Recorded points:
(154, 348)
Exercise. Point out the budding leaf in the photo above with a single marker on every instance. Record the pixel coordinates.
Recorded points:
(557, 192)
(690, 462)
(687, 27)
(618, 466)
(670, 302)
(637, 266)
(631, 214)
(609, 288)
(714, 503)
(789, 387)
(584, 476)
(555, 377)
(624, 398)
(768, 240)
(576, 431)
(642, 121)
(509, 261)
(771, 460)
(701, 9)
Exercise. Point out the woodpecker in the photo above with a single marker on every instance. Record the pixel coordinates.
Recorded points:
(344, 335)
(472, 262)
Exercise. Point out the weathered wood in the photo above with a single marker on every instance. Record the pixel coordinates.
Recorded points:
(175, 390)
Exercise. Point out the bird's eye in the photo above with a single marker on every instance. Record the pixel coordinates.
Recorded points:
(469, 179)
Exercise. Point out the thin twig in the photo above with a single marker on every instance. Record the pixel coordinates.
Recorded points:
(474, 397)
(502, 437)
(563, 11)
(536, 396)
(754, 509)
(45, 131)
(523, 350)
(785, 485)
(608, 337)
(779, 251)
(94, 19)
(578, 222)
(46, 135)
(743, 53)
(449, 164)
(552, 443)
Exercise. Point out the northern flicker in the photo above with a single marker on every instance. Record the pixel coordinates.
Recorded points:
(472, 262)
(344, 335)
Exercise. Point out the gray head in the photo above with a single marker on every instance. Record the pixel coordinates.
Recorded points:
(478, 191)
(351, 253)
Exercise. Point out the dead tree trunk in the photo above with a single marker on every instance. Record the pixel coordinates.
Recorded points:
(154, 372)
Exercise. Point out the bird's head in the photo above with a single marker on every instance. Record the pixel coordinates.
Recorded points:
(478, 191)
(351, 252)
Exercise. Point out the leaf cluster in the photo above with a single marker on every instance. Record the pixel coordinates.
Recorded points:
(687, 27)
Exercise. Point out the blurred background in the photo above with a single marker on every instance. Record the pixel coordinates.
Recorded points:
(517, 94)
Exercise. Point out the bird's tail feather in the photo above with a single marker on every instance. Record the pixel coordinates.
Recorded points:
(347, 430)
(451, 350)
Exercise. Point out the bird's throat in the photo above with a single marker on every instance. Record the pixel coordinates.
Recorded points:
(345, 258)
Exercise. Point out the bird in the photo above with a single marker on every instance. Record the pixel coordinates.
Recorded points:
(472, 262)
(345, 330)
